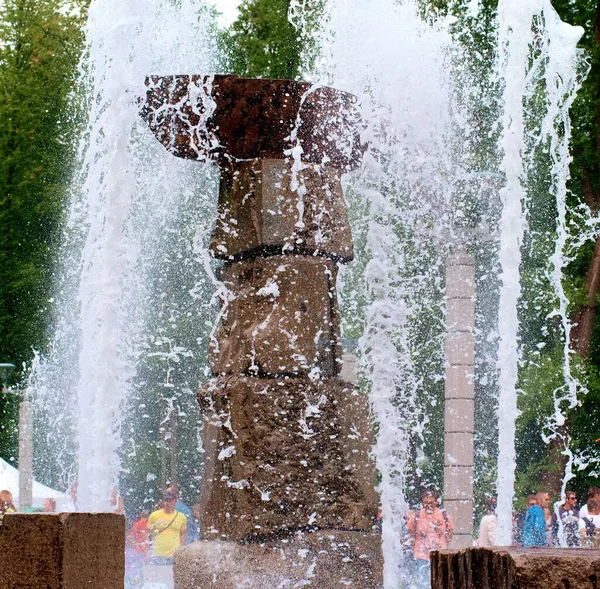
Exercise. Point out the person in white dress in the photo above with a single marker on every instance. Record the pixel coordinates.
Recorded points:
(487, 527)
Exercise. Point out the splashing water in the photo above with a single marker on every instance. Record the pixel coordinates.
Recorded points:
(521, 25)
(422, 192)
(128, 194)
(423, 145)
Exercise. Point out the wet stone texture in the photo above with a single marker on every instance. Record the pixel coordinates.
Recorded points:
(515, 568)
(289, 488)
(266, 207)
(326, 560)
(283, 318)
(62, 551)
(280, 457)
(226, 119)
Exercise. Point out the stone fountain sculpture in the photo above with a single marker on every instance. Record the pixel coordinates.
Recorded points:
(288, 493)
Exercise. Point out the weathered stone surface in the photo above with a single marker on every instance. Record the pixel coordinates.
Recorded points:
(284, 319)
(460, 282)
(460, 314)
(460, 348)
(458, 448)
(458, 482)
(266, 207)
(460, 382)
(459, 416)
(226, 118)
(461, 514)
(326, 560)
(515, 568)
(62, 551)
(283, 455)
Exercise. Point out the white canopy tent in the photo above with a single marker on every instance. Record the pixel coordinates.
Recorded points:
(9, 479)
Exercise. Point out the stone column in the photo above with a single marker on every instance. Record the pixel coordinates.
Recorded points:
(288, 493)
(460, 395)
(25, 453)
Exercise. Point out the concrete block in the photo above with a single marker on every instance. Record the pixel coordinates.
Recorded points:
(460, 258)
(285, 454)
(460, 282)
(515, 568)
(460, 382)
(458, 482)
(460, 348)
(62, 551)
(460, 314)
(458, 449)
(349, 371)
(324, 559)
(461, 515)
(263, 205)
(284, 319)
(459, 415)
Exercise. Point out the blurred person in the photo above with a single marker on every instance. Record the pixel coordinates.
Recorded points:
(593, 493)
(566, 516)
(548, 517)
(488, 525)
(519, 521)
(74, 493)
(116, 501)
(6, 504)
(183, 508)
(168, 528)
(139, 535)
(430, 529)
(589, 525)
(378, 525)
(534, 530)
(49, 505)
(137, 550)
(194, 523)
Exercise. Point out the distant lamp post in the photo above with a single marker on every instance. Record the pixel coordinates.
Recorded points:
(6, 370)
(25, 437)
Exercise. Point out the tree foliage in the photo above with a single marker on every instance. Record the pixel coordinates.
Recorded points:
(40, 44)
(262, 41)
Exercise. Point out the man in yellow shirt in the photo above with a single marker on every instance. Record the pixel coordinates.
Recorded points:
(168, 527)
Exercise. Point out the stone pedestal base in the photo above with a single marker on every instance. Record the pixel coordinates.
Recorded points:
(62, 551)
(285, 455)
(325, 559)
(515, 568)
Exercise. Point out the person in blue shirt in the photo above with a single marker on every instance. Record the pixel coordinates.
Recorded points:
(534, 532)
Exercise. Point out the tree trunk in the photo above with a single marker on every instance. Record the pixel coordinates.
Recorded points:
(583, 321)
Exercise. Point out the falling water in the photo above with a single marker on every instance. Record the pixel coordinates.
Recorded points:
(422, 192)
(424, 142)
(523, 26)
(408, 181)
(127, 194)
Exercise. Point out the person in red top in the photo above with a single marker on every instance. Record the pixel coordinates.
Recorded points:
(137, 550)
(430, 529)
(139, 536)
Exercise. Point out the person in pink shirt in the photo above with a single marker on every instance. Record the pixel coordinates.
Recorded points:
(431, 529)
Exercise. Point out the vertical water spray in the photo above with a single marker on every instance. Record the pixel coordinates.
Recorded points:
(125, 193)
(404, 191)
(532, 43)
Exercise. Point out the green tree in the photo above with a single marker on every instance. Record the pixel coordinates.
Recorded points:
(263, 43)
(40, 45)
